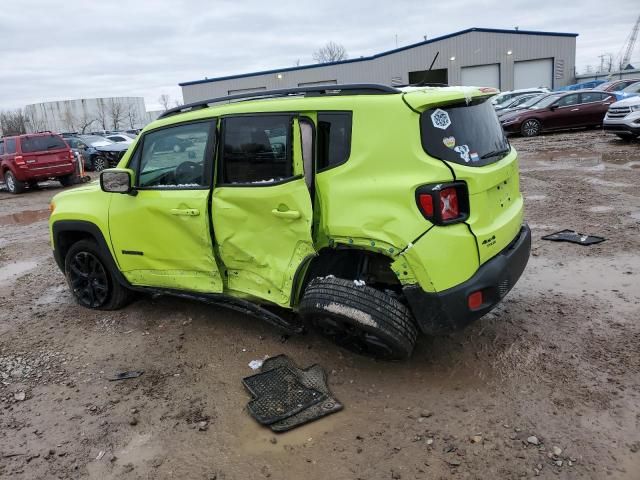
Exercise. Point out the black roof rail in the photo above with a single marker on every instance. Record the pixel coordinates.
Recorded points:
(316, 90)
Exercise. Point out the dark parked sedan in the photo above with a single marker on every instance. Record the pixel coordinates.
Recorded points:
(559, 111)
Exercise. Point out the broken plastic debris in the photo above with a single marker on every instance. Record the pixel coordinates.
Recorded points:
(126, 375)
(255, 364)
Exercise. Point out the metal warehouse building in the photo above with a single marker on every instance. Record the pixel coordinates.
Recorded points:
(505, 59)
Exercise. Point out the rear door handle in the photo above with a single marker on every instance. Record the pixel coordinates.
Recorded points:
(292, 214)
(185, 212)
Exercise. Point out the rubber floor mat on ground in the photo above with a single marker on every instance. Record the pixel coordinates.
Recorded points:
(573, 237)
(278, 400)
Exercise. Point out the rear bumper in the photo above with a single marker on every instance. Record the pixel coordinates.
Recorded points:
(448, 310)
(42, 173)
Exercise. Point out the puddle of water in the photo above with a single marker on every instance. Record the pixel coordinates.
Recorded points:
(585, 275)
(605, 183)
(10, 272)
(601, 209)
(255, 439)
(24, 218)
(635, 215)
(55, 295)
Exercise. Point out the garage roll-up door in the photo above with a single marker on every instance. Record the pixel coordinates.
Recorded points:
(533, 73)
(481, 76)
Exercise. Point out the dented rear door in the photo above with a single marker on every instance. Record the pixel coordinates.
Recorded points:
(261, 206)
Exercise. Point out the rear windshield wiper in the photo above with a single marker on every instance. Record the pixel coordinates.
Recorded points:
(495, 153)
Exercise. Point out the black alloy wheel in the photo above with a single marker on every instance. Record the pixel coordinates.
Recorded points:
(88, 280)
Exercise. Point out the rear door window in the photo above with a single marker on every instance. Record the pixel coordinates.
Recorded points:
(256, 150)
(11, 145)
(464, 134)
(42, 143)
(334, 139)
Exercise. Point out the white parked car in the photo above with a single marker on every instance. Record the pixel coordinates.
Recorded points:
(623, 118)
(120, 138)
(509, 96)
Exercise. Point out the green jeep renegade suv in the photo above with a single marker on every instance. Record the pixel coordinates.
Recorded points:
(374, 212)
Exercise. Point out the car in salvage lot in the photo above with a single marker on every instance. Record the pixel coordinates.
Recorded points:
(560, 110)
(30, 158)
(97, 152)
(248, 216)
(623, 118)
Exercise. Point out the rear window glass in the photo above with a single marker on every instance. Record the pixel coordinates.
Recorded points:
(334, 139)
(465, 134)
(42, 143)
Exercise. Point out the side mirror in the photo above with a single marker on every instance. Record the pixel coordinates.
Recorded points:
(553, 107)
(115, 180)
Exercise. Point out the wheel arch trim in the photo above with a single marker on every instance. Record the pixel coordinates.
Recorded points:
(61, 227)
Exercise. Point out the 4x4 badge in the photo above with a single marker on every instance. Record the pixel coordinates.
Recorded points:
(489, 241)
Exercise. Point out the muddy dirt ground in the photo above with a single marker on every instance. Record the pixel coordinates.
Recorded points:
(558, 360)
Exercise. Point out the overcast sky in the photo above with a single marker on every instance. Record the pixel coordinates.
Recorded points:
(88, 48)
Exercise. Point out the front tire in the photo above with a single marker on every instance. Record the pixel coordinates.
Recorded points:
(13, 184)
(530, 128)
(90, 280)
(359, 318)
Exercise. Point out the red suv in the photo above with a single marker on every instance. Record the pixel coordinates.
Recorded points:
(28, 159)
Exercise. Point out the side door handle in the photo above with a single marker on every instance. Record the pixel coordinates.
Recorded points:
(185, 212)
(575, 109)
(291, 214)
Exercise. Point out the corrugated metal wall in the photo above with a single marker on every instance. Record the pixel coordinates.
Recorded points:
(471, 48)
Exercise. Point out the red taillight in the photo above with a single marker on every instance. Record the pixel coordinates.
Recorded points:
(71, 155)
(426, 204)
(19, 159)
(443, 204)
(475, 300)
(449, 204)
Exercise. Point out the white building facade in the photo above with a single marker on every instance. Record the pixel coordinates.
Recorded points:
(87, 114)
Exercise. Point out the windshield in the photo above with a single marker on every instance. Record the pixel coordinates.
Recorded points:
(532, 101)
(633, 88)
(546, 101)
(465, 134)
(95, 139)
(42, 143)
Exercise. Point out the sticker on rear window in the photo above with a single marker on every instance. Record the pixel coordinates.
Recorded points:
(463, 151)
(449, 142)
(474, 156)
(440, 119)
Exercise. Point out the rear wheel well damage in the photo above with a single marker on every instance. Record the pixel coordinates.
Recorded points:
(352, 264)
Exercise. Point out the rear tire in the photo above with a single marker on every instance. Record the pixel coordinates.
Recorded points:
(13, 184)
(66, 181)
(530, 128)
(359, 318)
(90, 280)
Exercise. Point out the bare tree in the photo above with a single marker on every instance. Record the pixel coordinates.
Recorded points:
(69, 120)
(85, 122)
(35, 122)
(116, 112)
(164, 100)
(331, 52)
(12, 122)
(103, 113)
(132, 115)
